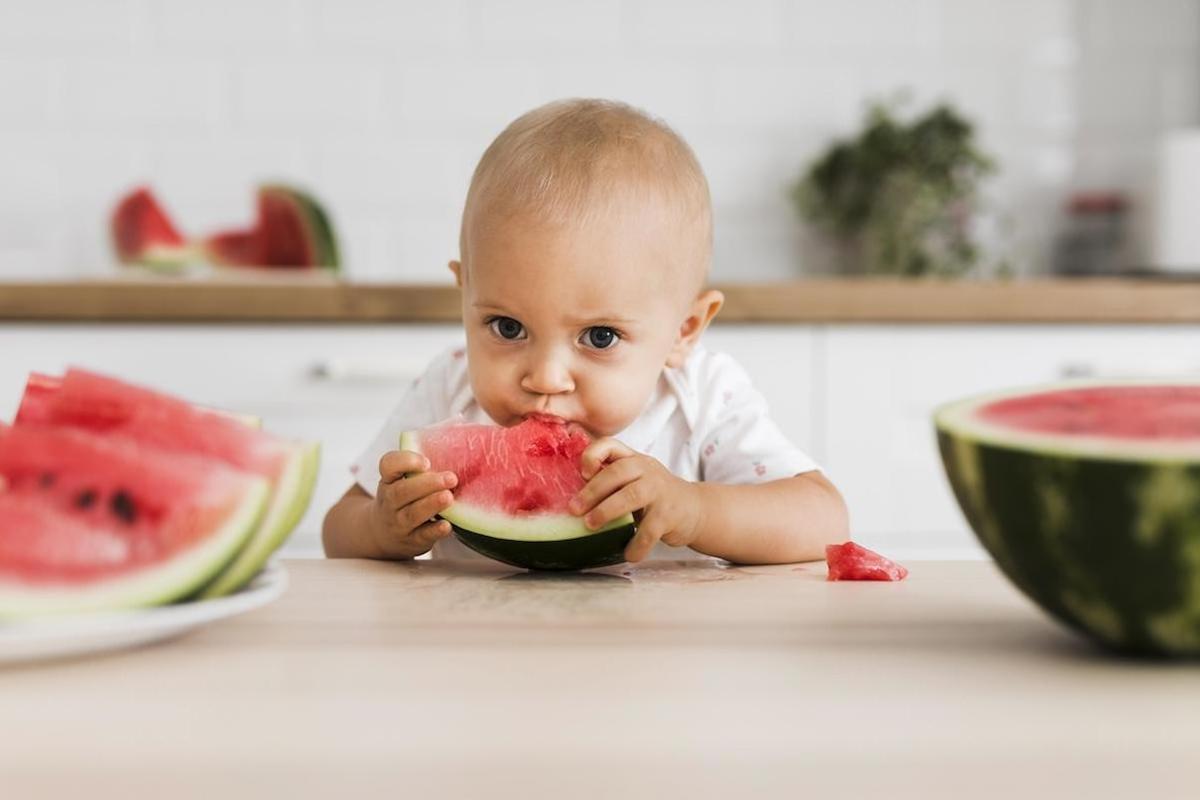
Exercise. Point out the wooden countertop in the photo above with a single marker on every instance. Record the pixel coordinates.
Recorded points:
(867, 300)
(671, 679)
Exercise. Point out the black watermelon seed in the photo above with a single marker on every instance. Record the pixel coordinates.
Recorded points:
(123, 507)
(85, 499)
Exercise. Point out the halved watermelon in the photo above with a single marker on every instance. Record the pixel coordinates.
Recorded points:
(1088, 497)
(292, 230)
(143, 234)
(90, 523)
(514, 484)
(96, 403)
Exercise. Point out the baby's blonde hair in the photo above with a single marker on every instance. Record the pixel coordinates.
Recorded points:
(571, 159)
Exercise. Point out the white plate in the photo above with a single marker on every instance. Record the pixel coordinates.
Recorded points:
(57, 637)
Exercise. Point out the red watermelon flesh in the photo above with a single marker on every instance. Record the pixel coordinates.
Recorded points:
(853, 562)
(531, 468)
(283, 235)
(235, 248)
(86, 400)
(77, 506)
(283, 232)
(1120, 412)
(106, 406)
(141, 229)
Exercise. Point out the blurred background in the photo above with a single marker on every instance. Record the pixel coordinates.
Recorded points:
(382, 108)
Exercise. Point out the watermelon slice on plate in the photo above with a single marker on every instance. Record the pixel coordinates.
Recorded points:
(853, 562)
(143, 234)
(90, 523)
(1087, 495)
(514, 484)
(103, 405)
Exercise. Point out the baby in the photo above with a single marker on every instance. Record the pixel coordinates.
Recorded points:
(584, 253)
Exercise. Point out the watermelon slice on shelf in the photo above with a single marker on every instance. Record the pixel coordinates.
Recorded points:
(853, 562)
(97, 523)
(292, 231)
(107, 406)
(143, 234)
(514, 484)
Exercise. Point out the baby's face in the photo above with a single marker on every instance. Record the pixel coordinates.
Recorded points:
(578, 321)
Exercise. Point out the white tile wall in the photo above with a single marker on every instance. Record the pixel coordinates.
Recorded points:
(383, 107)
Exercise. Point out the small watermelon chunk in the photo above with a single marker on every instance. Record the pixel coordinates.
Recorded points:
(92, 523)
(853, 562)
(100, 404)
(513, 488)
(292, 231)
(143, 234)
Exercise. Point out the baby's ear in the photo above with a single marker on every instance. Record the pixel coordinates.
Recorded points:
(703, 309)
(456, 268)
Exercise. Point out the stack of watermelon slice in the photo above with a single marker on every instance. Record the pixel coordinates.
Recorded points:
(292, 231)
(114, 496)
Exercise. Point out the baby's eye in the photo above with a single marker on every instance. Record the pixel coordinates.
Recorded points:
(507, 328)
(600, 337)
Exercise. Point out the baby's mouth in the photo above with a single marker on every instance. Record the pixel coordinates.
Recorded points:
(542, 416)
(554, 419)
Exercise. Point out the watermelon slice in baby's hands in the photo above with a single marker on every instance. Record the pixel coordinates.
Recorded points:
(853, 562)
(514, 486)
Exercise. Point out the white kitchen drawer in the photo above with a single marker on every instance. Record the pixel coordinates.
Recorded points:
(882, 383)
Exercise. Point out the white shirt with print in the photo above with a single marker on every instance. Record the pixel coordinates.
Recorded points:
(704, 421)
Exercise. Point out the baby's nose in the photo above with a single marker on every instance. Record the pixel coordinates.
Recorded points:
(547, 376)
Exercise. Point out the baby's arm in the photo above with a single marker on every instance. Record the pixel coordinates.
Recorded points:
(780, 521)
(396, 523)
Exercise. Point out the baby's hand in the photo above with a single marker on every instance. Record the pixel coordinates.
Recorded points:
(620, 481)
(404, 506)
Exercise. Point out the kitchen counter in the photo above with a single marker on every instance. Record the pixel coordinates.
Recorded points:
(671, 679)
(864, 300)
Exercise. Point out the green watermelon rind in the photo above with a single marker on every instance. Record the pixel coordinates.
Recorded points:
(328, 256)
(1106, 539)
(601, 548)
(174, 579)
(545, 541)
(289, 500)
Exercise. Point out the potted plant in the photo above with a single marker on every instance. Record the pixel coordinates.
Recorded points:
(898, 198)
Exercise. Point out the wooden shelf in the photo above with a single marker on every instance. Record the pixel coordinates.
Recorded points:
(808, 301)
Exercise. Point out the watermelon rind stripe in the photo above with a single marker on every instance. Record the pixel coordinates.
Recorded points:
(178, 577)
(540, 528)
(287, 505)
(600, 549)
(959, 419)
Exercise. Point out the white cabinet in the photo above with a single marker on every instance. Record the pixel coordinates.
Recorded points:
(881, 384)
